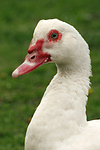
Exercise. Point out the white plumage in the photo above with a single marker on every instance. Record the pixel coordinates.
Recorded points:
(60, 121)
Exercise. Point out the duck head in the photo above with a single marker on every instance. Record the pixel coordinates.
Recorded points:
(58, 42)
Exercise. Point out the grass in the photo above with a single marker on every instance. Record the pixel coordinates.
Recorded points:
(20, 97)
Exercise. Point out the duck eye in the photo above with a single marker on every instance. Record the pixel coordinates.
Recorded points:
(54, 36)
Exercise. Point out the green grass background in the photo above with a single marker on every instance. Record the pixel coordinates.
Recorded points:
(20, 97)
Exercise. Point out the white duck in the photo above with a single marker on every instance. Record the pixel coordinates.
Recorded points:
(60, 121)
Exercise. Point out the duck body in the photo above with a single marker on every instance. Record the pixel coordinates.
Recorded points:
(60, 122)
(62, 126)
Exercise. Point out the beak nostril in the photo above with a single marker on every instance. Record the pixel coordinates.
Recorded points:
(33, 57)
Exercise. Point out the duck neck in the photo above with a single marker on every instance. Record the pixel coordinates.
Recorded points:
(73, 87)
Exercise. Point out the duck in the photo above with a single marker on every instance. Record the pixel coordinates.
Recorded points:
(60, 121)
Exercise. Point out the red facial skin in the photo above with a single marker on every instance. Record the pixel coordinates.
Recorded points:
(36, 52)
(36, 56)
(36, 47)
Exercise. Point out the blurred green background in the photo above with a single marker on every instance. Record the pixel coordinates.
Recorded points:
(20, 97)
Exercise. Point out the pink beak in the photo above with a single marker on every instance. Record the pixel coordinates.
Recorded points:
(34, 59)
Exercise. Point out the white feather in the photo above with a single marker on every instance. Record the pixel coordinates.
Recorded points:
(60, 121)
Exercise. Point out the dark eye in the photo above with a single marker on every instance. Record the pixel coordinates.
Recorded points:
(54, 36)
